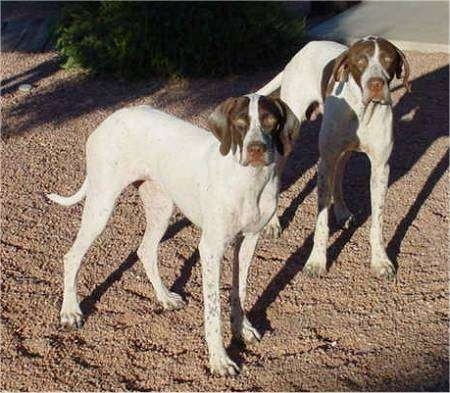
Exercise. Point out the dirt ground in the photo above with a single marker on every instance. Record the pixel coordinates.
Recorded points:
(345, 331)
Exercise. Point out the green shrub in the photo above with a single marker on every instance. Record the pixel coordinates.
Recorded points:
(138, 39)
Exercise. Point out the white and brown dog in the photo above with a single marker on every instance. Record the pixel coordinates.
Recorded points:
(225, 183)
(350, 85)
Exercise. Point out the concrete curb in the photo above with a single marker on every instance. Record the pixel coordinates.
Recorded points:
(419, 26)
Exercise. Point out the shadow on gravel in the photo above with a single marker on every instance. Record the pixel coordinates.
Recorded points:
(31, 76)
(185, 274)
(78, 95)
(69, 99)
(429, 102)
(427, 106)
(439, 170)
(87, 305)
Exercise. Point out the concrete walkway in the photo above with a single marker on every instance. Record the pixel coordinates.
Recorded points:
(26, 26)
(411, 25)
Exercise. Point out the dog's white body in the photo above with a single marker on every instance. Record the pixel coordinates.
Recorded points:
(347, 125)
(178, 163)
(300, 81)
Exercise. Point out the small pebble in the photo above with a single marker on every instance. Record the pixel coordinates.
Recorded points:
(25, 87)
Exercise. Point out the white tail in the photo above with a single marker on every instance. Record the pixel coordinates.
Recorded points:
(273, 85)
(75, 198)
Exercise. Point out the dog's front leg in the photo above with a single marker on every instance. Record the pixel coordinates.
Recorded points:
(316, 264)
(211, 253)
(273, 228)
(380, 262)
(240, 325)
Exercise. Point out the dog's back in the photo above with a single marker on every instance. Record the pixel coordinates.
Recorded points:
(303, 79)
(306, 76)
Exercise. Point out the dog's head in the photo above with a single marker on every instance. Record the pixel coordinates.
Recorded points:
(372, 62)
(256, 126)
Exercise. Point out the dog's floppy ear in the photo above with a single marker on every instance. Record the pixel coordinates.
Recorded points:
(219, 123)
(290, 127)
(403, 63)
(340, 69)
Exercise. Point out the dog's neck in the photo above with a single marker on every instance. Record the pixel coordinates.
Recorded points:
(249, 179)
(354, 98)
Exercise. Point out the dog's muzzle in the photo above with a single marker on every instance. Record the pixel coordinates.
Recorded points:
(257, 154)
(378, 91)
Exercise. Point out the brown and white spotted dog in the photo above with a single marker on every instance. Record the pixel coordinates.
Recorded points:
(225, 182)
(350, 85)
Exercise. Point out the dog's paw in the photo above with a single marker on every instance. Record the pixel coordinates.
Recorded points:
(172, 301)
(273, 229)
(315, 268)
(245, 333)
(222, 365)
(71, 319)
(383, 268)
(345, 220)
(248, 333)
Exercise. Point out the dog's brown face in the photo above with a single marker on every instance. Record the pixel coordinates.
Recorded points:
(258, 126)
(372, 62)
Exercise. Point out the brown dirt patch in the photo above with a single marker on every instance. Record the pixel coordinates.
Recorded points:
(347, 331)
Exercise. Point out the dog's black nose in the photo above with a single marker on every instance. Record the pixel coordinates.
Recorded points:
(256, 148)
(375, 84)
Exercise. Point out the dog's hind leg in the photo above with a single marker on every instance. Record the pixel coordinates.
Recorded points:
(343, 215)
(98, 207)
(158, 209)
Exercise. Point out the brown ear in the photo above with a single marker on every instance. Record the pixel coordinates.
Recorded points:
(398, 72)
(219, 124)
(290, 127)
(340, 69)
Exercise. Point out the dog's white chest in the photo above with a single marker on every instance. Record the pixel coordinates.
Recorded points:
(375, 131)
(258, 207)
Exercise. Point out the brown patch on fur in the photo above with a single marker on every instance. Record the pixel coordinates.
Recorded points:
(272, 118)
(326, 83)
(393, 61)
(289, 128)
(138, 183)
(313, 110)
(357, 59)
(229, 123)
(340, 68)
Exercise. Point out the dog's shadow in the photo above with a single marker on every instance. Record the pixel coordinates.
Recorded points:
(87, 305)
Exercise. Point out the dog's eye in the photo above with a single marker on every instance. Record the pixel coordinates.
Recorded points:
(268, 122)
(241, 123)
(362, 61)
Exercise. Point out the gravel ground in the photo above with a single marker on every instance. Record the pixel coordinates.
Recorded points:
(346, 331)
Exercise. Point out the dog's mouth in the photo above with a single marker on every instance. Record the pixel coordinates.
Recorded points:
(379, 95)
(376, 99)
(257, 161)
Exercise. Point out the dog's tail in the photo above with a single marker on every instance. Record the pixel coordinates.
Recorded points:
(75, 198)
(273, 85)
